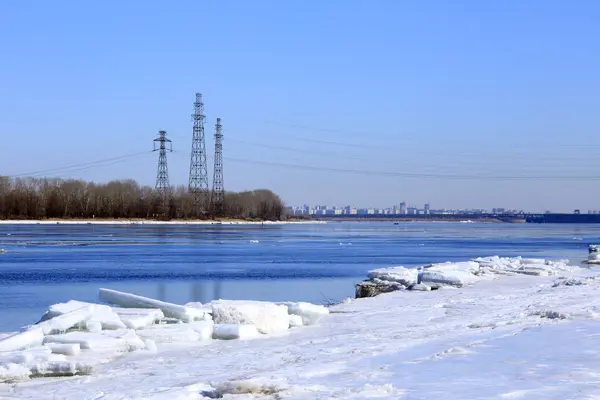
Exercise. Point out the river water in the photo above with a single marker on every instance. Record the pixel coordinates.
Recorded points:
(46, 264)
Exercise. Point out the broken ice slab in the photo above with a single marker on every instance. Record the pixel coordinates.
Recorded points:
(128, 300)
(265, 316)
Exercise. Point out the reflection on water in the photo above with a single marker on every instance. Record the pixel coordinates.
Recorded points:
(202, 292)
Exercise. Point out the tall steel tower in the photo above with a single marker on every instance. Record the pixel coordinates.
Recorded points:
(198, 185)
(162, 174)
(218, 192)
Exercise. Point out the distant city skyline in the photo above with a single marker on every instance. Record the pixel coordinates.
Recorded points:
(466, 104)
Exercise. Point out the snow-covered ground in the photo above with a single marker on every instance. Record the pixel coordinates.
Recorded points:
(517, 329)
(148, 222)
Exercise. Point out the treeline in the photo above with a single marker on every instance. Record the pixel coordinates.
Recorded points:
(30, 198)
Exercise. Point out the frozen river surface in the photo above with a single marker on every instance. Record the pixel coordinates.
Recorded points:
(47, 264)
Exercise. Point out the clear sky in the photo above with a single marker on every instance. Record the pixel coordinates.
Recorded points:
(443, 100)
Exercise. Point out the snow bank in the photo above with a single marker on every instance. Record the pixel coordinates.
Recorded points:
(267, 317)
(456, 274)
(128, 300)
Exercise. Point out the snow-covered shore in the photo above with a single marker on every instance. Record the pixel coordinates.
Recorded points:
(150, 222)
(503, 334)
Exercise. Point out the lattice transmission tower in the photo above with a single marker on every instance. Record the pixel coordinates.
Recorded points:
(218, 191)
(198, 184)
(162, 173)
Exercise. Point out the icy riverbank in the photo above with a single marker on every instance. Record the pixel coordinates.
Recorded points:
(501, 335)
(150, 222)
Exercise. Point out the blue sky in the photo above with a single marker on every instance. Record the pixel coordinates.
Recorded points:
(483, 89)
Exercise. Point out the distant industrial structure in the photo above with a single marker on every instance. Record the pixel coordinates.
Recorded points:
(401, 210)
(203, 202)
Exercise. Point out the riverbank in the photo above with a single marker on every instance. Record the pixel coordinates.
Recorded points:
(152, 222)
(500, 336)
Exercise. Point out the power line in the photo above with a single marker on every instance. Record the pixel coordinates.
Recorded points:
(479, 154)
(83, 166)
(409, 174)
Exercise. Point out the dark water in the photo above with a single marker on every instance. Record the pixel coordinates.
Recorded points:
(46, 264)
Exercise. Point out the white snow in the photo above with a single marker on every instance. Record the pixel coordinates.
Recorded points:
(506, 333)
(128, 300)
(267, 317)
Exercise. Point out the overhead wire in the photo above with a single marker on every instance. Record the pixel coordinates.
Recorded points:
(83, 166)
(399, 174)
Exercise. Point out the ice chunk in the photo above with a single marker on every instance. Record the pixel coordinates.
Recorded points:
(93, 326)
(25, 357)
(63, 322)
(14, 372)
(420, 286)
(138, 318)
(203, 328)
(404, 276)
(171, 333)
(60, 368)
(118, 340)
(295, 321)
(453, 274)
(150, 345)
(67, 349)
(235, 331)
(128, 300)
(266, 317)
(310, 313)
(100, 313)
(22, 340)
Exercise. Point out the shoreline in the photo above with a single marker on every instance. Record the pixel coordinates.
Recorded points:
(383, 346)
(151, 222)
